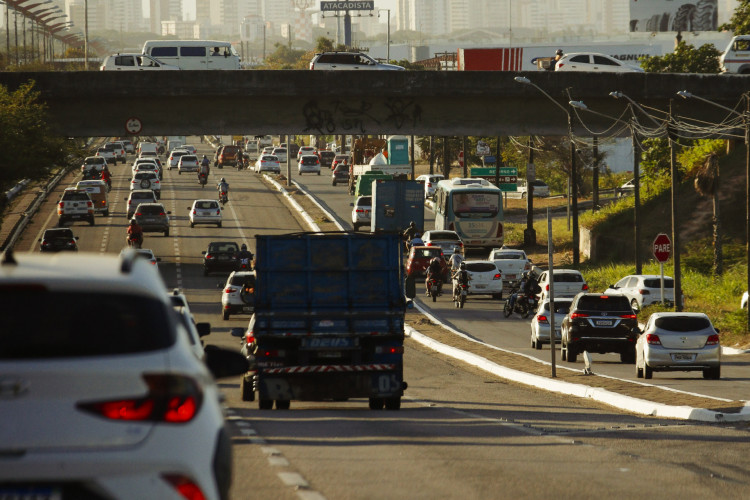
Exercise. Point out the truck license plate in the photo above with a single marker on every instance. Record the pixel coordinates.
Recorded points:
(329, 354)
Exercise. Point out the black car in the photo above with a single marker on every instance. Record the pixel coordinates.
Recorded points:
(599, 323)
(340, 174)
(221, 256)
(54, 240)
(326, 158)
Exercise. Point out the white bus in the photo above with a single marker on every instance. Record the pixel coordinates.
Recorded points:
(473, 208)
(194, 54)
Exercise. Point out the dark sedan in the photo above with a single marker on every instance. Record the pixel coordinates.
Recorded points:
(221, 256)
(57, 239)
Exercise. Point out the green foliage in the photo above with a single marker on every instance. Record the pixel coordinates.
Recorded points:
(685, 59)
(739, 24)
(284, 57)
(29, 151)
(693, 157)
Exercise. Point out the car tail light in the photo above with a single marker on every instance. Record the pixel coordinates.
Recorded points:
(585, 287)
(218, 211)
(546, 288)
(541, 319)
(249, 337)
(498, 276)
(162, 213)
(186, 487)
(62, 204)
(578, 315)
(138, 214)
(644, 292)
(209, 256)
(628, 316)
(90, 204)
(72, 242)
(171, 399)
(230, 289)
(653, 339)
(389, 350)
(712, 339)
(527, 267)
(45, 243)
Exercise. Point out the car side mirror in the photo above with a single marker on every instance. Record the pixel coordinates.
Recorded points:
(158, 259)
(203, 252)
(220, 286)
(203, 329)
(717, 330)
(224, 362)
(237, 332)
(76, 237)
(169, 213)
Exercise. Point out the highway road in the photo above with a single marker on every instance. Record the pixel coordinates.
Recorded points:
(461, 433)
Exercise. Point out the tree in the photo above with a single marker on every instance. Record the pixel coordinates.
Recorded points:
(29, 150)
(685, 59)
(739, 24)
(284, 57)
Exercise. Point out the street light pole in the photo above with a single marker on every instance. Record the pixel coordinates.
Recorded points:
(388, 35)
(573, 170)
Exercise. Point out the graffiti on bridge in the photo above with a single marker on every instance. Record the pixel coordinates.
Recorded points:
(339, 116)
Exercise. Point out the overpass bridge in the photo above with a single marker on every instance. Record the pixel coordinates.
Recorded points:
(103, 103)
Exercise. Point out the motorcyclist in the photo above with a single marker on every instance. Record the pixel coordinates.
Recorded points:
(417, 241)
(204, 168)
(460, 277)
(527, 286)
(434, 271)
(135, 232)
(456, 260)
(223, 187)
(107, 177)
(409, 233)
(245, 256)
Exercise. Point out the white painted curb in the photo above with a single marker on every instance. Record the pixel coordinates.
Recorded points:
(313, 226)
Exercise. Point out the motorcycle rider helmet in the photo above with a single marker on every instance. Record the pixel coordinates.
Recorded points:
(132, 221)
(204, 156)
(222, 180)
(243, 247)
(559, 52)
(412, 224)
(463, 265)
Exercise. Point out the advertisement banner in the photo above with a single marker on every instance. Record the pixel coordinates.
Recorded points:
(673, 15)
(352, 5)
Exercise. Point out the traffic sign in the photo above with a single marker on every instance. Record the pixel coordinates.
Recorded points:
(508, 176)
(662, 248)
(133, 126)
(461, 158)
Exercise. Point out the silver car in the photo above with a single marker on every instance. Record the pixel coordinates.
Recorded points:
(361, 213)
(678, 341)
(540, 325)
(449, 241)
(205, 212)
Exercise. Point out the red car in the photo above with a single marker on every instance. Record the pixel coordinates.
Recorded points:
(419, 261)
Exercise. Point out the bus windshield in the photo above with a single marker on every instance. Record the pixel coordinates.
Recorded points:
(476, 204)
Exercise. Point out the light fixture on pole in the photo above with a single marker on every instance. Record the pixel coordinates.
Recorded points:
(388, 35)
(746, 124)
(573, 170)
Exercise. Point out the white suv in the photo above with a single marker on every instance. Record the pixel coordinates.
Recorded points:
(136, 414)
(349, 61)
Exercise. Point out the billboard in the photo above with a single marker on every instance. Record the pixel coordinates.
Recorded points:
(673, 15)
(352, 5)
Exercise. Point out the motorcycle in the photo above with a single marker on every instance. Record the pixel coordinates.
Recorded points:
(223, 197)
(202, 179)
(134, 240)
(432, 288)
(245, 264)
(523, 304)
(460, 292)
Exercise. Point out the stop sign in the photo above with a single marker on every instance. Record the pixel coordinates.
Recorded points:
(662, 247)
(461, 158)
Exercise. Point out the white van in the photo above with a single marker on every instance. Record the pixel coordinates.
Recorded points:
(147, 147)
(194, 54)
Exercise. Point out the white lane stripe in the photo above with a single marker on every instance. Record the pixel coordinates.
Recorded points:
(293, 479)
(276, 461)
(310, 495)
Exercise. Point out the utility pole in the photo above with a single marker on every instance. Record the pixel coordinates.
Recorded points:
(529, 235)
(574, 195)
(446, 164)
(432, 154)
(675, 219)
(637, 201)
(595, 180)
(86, 35)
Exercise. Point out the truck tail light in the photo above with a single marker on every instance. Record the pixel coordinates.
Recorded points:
(381, 349)
(712, 339)
(170, 399)
(653, 339)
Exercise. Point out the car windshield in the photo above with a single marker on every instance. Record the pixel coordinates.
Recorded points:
(71, 325)
(510, 256)
(561, 306)
(481, 267)
(568, 278)
(76, 196)
(151, 209)
(58, 233)
(223, 247)
(306, 160)
(186, 158)
(206, 204)
(603, 303)
(442, 235)
(242, 279)
(682, 323)
(428, 252)
(656, 283)
(145, 175)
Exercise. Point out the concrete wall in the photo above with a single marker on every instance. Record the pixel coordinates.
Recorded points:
(352, 102)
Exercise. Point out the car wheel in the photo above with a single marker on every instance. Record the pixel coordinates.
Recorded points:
(225, 315)
(393, 403)
(192, 224)
(572, 355)
(634, 305)
(333, 183)
(563, 351)
(265, 404)
(712, 373)
(283, 404)
(638, 371)
(377, 403)
(106, 213)
(179, 172)
(507, 311)
(91, 221)
(533, 341)
(246, 389)
(218, 224)
(648, 372)
(166, 232)
(318, 173)
(628, 357)
(205, 272)
(356, 226)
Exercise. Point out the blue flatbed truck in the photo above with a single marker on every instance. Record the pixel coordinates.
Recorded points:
(329, 319)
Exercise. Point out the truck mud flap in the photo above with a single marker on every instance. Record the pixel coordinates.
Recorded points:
(330, 385)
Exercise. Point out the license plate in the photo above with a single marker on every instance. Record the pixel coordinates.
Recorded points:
(223, 257)
(683, 357)
(247, 309)
(510, 276)
(603, 322)
(31, 493)
(480, 286)
(330, 354)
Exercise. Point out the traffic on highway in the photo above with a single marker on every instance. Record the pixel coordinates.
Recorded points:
(458, 432)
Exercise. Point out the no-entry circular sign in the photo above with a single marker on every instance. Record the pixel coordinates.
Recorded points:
(133, 126)
(662, 247)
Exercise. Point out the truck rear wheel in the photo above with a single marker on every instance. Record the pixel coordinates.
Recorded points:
(246, 389)
(393, 403)
(376, 403)
(265, 404)
(283, 404)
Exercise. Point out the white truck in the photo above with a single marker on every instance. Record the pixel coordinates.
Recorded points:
(512, 263)
(736, 57)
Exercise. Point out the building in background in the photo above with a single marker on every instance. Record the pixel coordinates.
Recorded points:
(163, 10)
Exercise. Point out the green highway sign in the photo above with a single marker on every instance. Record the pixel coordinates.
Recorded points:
(508, 176)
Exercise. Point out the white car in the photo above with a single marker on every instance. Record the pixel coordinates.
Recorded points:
(743, 301)
(643, 289)
(205, 212)
(308, 164)
(147, 166)
(267, 163)
(146, 180)
(567, 283)
(134, 62)
(512, 263)
(280, 153)
(540, 325)
(305, 150)
(188, 163)
(430, 183)
(174, 157)
(144, 253)
(594, 62)
(349, 61)
(238, 296)
(449, 241)
(361, 212)
(678, 341)
(541, 189)
(484, 278)
(136, 414)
